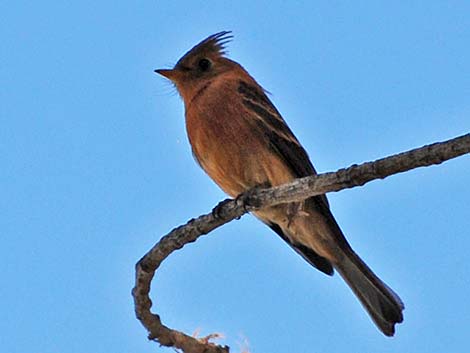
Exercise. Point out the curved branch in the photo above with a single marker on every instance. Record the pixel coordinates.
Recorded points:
(227, 210)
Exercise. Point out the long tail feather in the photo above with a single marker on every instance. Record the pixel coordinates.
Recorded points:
(383, 305)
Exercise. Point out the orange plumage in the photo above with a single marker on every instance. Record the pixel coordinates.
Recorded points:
(241, 141)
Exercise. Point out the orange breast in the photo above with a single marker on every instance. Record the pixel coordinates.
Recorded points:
(233, 153)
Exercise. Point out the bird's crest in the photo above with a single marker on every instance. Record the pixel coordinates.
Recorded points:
(213, 45)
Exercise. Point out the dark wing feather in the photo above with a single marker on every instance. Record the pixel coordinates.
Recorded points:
(308, 254)
(283, 142)
(281, 138)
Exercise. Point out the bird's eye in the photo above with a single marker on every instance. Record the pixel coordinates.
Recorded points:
(204, 64)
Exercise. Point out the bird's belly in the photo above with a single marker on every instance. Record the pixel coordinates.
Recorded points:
(235, 158)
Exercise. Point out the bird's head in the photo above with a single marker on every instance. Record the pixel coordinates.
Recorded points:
(200, 65)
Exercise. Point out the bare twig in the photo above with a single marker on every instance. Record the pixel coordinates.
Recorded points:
(228, 210)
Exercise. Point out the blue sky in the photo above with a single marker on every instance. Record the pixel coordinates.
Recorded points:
(96, 167)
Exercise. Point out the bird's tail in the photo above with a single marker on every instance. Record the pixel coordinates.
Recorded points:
(383, 305)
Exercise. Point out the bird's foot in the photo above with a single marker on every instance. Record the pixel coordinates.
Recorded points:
(294, 210)
(247, 198)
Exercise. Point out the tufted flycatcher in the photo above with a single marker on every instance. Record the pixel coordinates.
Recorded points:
(241, 141)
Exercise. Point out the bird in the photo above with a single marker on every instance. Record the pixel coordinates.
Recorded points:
(242, 142)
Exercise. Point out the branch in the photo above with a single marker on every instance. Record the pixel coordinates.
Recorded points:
(298, 190)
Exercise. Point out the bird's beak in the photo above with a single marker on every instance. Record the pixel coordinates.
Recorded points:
(170, 74)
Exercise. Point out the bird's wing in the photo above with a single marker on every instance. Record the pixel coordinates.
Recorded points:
(281, 138)
(286, 146)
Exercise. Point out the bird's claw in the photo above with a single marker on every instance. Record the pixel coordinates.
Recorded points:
(295, 210)
(246, 199)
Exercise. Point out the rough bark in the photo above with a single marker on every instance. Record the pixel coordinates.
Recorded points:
(227, 210)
